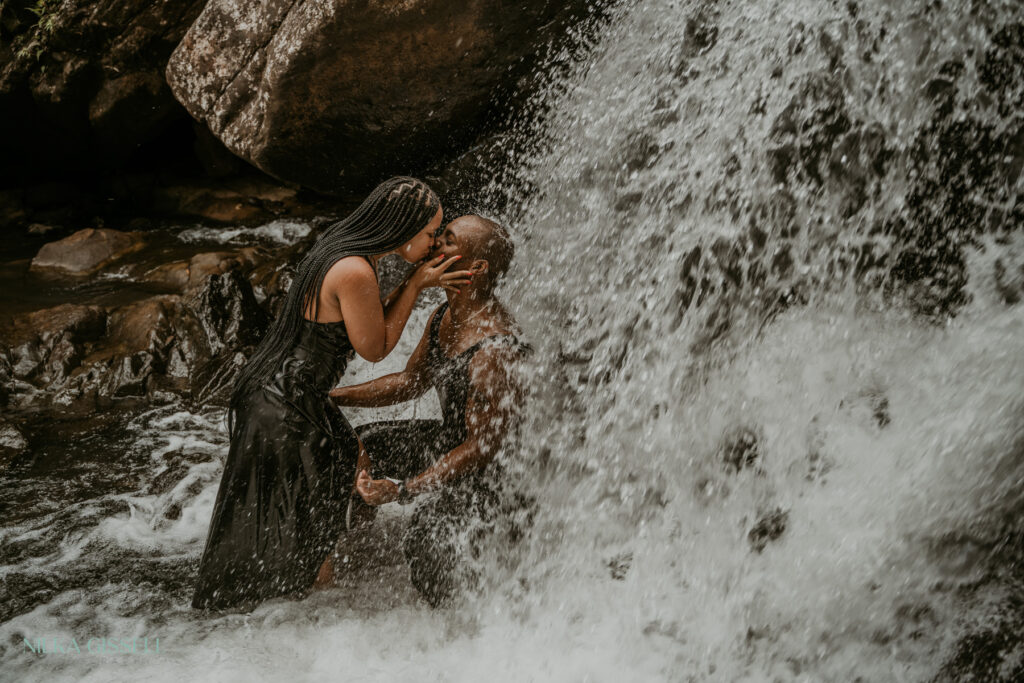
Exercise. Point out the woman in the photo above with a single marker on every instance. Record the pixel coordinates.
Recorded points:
(292, 459)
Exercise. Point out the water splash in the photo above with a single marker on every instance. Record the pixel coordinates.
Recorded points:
(770, 259)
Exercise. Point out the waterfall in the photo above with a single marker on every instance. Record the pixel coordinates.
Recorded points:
(770, 261)
(778, 425)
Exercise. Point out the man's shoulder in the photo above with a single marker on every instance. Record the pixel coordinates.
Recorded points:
(497, 360)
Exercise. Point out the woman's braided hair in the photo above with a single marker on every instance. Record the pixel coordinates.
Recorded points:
(394, 212)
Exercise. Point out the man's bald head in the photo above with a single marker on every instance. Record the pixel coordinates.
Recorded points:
(487, 240)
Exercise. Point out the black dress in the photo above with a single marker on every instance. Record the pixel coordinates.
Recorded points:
(289, 471)
(447, 528)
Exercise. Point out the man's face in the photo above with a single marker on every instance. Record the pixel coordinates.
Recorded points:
(453, 240)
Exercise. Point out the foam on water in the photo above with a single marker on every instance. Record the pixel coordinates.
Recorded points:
(280, 231)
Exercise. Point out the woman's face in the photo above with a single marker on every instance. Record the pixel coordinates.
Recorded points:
(418, 248)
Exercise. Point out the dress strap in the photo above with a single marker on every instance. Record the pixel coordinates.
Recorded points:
(510, 339)
(435, 324)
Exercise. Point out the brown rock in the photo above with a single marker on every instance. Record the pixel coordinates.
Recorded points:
(12, 443)
(324, 93)
(248, 203)
(140, 326)
(86, 251)
(82, 323)
(171, 276)
(201, 266)
(187, 277)
(114, 111)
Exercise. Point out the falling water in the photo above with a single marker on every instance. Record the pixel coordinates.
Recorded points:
(770, 258)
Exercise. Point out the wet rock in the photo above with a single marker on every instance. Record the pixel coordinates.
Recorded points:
(86, 251)
(322, 94)
(229, 203)
(83, 323)
(140, 326)
(41, 229)
(167, 479)
(128, 375)
(26, 359)
(12, 443)
(769, 527)
(189, 276)
(64, 356)
(173, 511)
(740, 449)
(44, 345)
(173, 276)
(151, 350)
(270, 282)
(189, 351)
(228, 312)
(202, 266)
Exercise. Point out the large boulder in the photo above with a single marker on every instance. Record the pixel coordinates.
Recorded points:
(325, 94)
(86, 251)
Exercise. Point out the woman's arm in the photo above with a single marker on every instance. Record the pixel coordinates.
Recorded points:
(374, 329)
(397, 387)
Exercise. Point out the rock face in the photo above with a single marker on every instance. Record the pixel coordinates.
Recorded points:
(86, 251)
(82, 83)
(323, 93)
(87, 357)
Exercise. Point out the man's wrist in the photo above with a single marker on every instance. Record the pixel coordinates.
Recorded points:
(405, 496)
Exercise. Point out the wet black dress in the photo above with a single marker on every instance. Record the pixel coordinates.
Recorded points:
(443, 540)
(289, 471)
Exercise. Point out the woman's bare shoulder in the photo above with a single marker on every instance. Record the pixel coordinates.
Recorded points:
(351, 270)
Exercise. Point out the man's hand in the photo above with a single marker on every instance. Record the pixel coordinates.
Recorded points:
(375, 491)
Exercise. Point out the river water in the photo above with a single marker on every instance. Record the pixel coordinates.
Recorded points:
(752, 460)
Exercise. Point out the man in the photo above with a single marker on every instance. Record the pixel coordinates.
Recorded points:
(468, 353)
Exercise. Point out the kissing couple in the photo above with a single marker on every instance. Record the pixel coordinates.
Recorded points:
(298, 476)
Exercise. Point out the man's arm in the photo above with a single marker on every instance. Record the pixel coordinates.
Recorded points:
(492, 407)
(397, 387)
